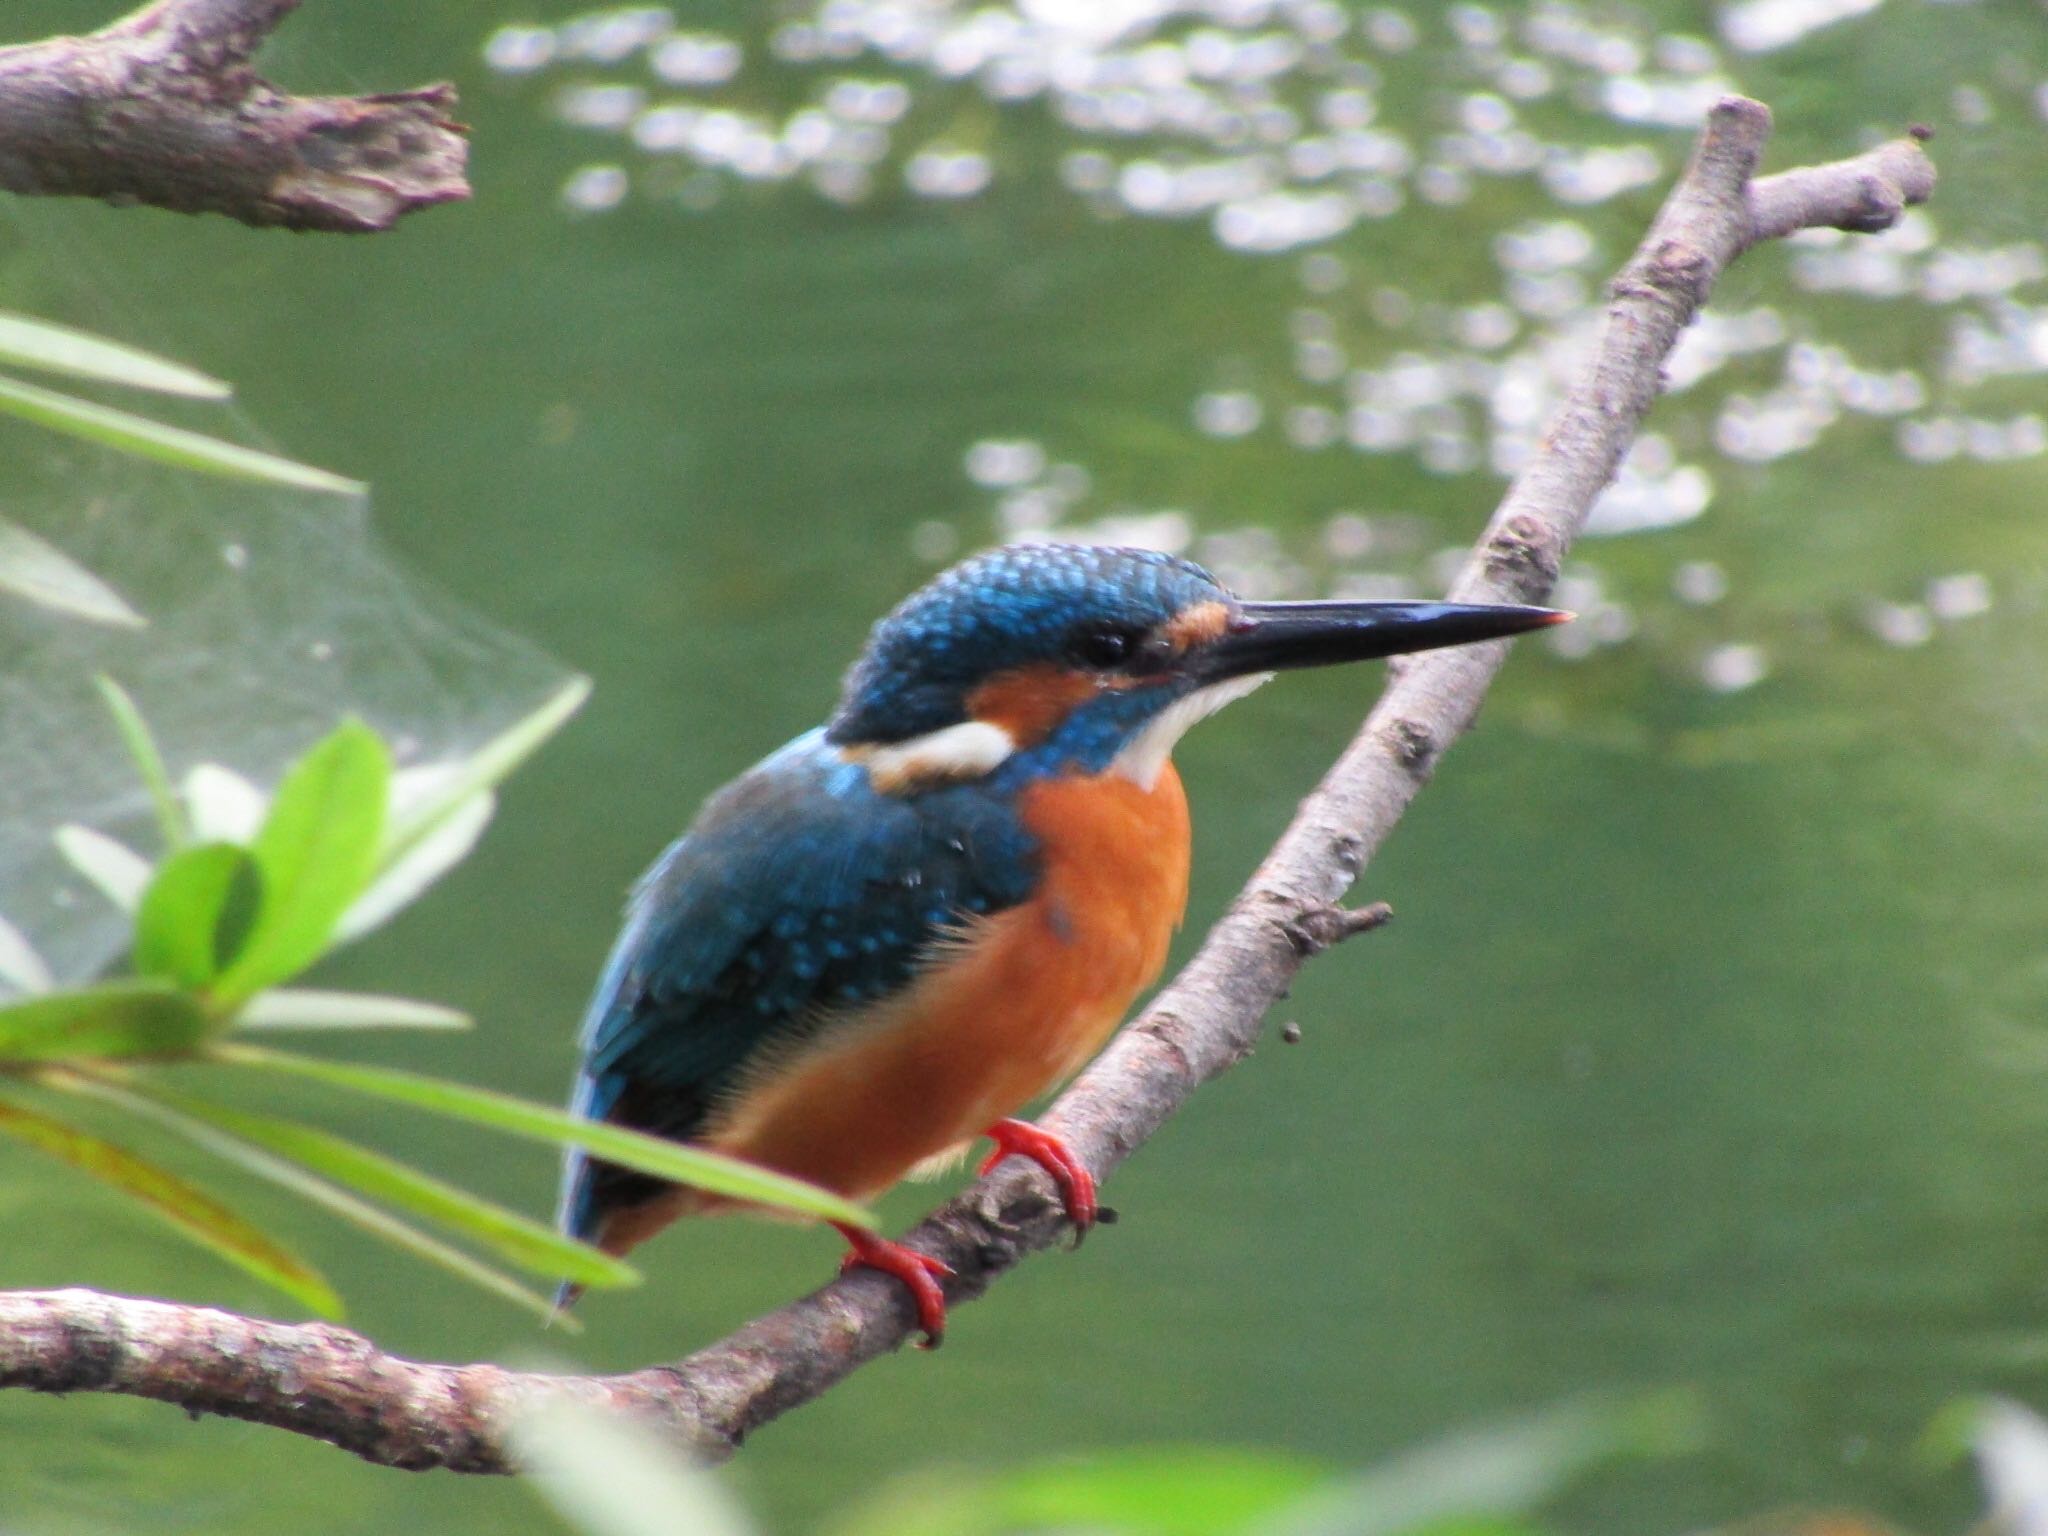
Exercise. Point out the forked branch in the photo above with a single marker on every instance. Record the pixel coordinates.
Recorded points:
(165, 107)
(337, 1386)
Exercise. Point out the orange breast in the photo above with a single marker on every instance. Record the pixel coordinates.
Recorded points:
(1020, 1003)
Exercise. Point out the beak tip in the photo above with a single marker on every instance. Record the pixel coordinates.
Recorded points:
(1269, 637)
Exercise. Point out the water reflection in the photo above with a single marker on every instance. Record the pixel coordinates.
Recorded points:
(1287, 126)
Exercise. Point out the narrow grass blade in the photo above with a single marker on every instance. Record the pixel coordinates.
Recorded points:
(406, 878)
(149, 761)
(33, 568)
(128, 433)
(117, 871)
(193, 1212)
(30, 343)
(482, 769)
(307, 1008)
(116, 1018)
(630, 1149)
(195, 915)
(20, 966)
(608, 1475)
(321, 1192)
(314, 850)
(518, 1239)
(1490, 1474)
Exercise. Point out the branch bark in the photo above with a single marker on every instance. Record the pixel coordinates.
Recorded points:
(165, 107)
(334, 1385)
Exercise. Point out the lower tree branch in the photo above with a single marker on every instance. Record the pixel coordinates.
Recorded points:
(165, 107)
(334, 1385)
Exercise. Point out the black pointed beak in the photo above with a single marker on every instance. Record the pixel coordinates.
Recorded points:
(1276, 637)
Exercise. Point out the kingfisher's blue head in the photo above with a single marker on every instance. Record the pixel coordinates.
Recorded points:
(1084, 656)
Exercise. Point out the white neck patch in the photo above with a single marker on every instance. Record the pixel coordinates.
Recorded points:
(1145, 757)
(970, 750)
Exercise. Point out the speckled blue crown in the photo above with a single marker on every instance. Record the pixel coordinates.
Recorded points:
(997, 610)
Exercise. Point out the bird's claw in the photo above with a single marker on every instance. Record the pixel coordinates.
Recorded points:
(1076, 1184)
(919, 1272)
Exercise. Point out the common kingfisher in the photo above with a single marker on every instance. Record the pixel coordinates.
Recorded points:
(886, 938)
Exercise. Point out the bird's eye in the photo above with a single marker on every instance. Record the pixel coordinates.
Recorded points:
(1106, 646)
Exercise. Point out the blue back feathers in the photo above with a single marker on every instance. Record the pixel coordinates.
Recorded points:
(799, 893)
(802, 893)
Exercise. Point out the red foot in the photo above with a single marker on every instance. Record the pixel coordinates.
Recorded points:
(920, 1271)
(1076, 1184)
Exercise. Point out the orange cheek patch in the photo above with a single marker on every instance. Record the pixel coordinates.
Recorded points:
(1029, 702)
(1197, 625)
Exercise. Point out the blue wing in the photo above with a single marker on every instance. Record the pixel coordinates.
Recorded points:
(800, 891)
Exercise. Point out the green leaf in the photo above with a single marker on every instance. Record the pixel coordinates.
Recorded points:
(311, 1187)
(191, 1211)
(116, 1018)
(128, 433)
(30, 343)
(149, 762)
(117, 871)
(314, 851)
(1483, 1474)
(630, 1149)
(1158, 1491)
(195, 915)
(512, 1236)
(608, 1475)
(1953, 1431)
(480, 770)
(306, 1008)
(32, 567)
(1164, 1492)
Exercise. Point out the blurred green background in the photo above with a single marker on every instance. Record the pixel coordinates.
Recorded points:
(1706, 1046)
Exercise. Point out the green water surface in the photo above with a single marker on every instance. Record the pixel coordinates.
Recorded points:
(1699, 1052)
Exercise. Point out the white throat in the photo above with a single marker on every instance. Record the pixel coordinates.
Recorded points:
(1146, 756)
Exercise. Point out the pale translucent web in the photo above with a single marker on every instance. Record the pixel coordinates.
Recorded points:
(270, 615)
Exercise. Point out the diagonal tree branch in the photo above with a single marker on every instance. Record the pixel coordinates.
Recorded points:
(165, 107)
(334, 1385)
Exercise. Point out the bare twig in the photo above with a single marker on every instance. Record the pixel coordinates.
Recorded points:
(1318, 928)
(165, 107)
(336, 1386)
